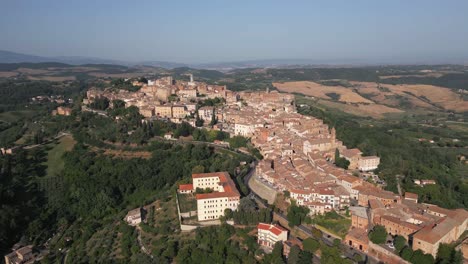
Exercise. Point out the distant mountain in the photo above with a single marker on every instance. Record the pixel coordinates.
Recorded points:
(163, 64)
(13, 57)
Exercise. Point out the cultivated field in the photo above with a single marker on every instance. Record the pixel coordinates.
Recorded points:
(378, 100)
(426, 96)
(322, 91)
(372, 110)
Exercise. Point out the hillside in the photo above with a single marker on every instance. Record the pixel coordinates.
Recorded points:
(375, 99)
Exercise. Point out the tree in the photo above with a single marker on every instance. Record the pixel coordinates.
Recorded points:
(339, 161)
(214, 119)
(294, 253)
(447, 254)
(311, 245)
(406, 253)
(337, 154)
(305, 257)
(198, 169)
(277, 253)
(143, 80)
(246, 204)
(399, 242)
(118, 104)
(184, 130)
(336, 242)
(198, 121)
(420, 257)
(378, 235)
(296, 214)
(101, 103)
(238, 142)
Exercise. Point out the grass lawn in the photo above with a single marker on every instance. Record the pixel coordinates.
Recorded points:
(55, 162)
(187, 202)
(333, 222)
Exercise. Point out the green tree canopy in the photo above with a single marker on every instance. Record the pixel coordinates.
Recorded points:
(311, 245)
(378, 235)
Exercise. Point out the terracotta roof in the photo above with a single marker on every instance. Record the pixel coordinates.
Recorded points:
(409, 195)
(325, 191)
(275, 229)
(186, 187)
(401, 223)
(225, 180)
(300, 191)
(358, 234)
(369, 157)
(433, 233)
(350, 179)
(374, 204)
(207, 175)
(350, 152)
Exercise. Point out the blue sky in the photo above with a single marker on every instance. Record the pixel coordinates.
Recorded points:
(214, 31)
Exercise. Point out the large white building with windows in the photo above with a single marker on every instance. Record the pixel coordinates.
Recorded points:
(211, 206)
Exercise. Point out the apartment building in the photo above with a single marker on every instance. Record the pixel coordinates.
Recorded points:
(269, 234)
(244, 129)
(368, 163)
(179, 111)
(224, 195)
(163, 111)
(187, 93)
(206, 113)
(147, 111)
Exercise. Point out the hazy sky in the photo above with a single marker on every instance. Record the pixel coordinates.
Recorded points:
(213, 31)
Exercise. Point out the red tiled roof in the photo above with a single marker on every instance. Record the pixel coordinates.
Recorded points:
(275, 229)
(207, 175)
(409, 195)
(225, 180)
(325, 192)
(349, 178)
(351, 152)
(401, 223)
(300, 191)
(186, 187)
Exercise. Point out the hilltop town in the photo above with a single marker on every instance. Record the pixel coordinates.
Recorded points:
(299, 159)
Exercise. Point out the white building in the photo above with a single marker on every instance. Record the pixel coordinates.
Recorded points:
(206, 113)
(134, 217)
(269, 234)
(211, 206)
(368, 163)
(245, 130)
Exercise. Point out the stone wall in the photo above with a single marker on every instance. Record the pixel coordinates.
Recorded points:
(384, 255)
(262, 190)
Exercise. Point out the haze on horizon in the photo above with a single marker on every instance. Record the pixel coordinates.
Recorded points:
(216, 31)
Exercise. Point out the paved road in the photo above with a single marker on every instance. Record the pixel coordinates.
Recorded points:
(59, 135)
